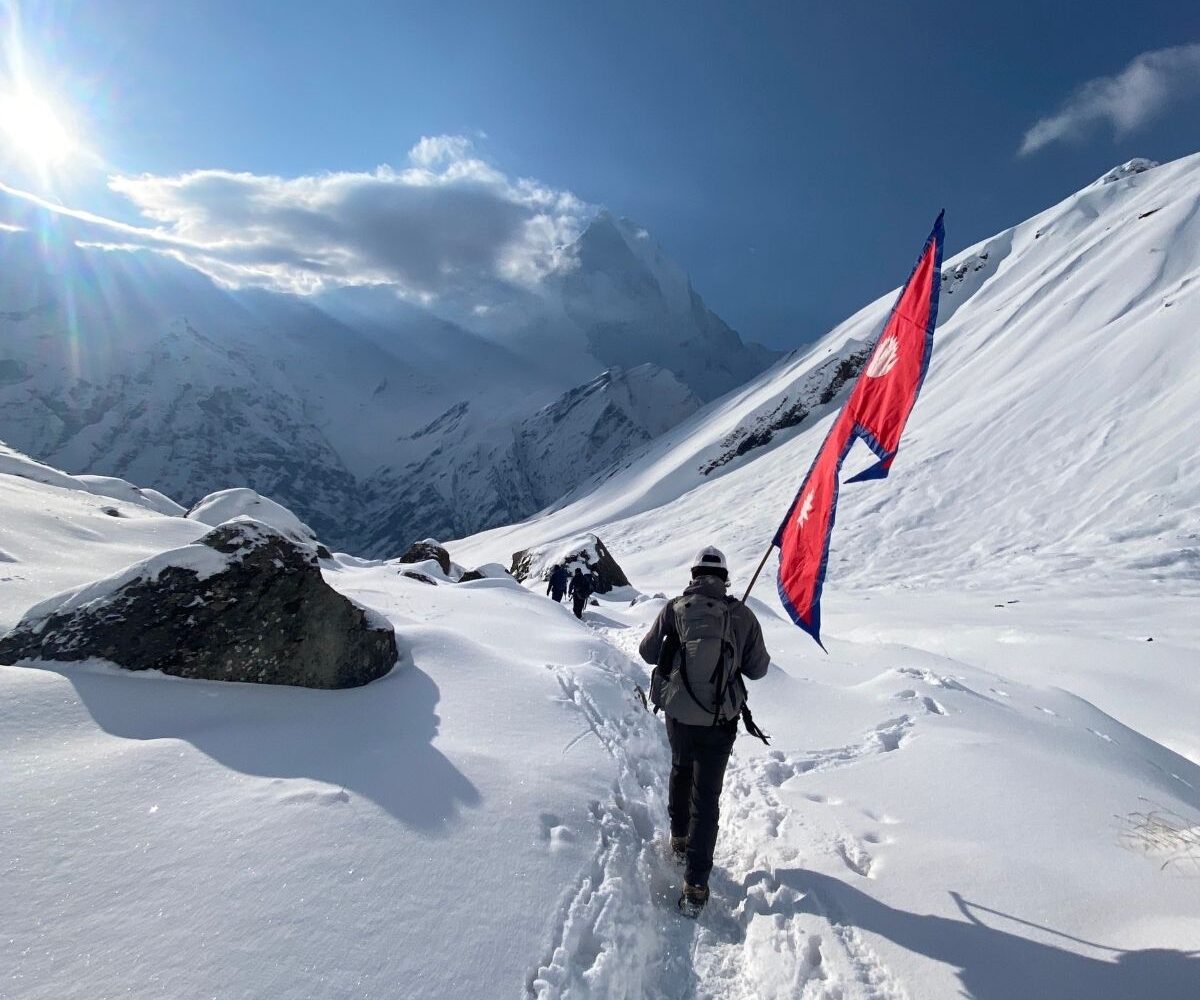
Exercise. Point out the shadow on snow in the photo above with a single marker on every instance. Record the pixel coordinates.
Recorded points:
(375, 740)
(998, 964)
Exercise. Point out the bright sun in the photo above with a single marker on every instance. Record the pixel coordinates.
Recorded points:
(33, 131)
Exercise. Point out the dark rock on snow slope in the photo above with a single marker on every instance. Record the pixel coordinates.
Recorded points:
(425, 550)
(245, 603)
(586, 552)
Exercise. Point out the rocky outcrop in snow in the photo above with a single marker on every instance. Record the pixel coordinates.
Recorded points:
(246, 603)
(428, 549)
(1138, 165)
(586, 552)
(488, 571)
(818, 388)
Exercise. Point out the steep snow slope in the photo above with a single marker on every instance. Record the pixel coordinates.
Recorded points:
(966, 795)
(1054, 439)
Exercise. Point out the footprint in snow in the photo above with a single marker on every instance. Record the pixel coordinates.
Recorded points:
(890, 735)
(854, 856)
(931, 705)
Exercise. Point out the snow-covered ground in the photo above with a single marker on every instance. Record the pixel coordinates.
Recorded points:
(958, 797)
(947, 807)
(416, 837)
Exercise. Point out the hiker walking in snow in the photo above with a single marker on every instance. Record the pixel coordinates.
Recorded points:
(582, 586)
(558, 582)
(702, 644)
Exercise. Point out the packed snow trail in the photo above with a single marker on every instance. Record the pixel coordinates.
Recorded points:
(619, 933)
(865, 870)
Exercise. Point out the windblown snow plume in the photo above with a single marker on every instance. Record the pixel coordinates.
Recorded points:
(1140, 92)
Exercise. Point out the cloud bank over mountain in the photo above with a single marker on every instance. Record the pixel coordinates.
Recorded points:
(447, 224)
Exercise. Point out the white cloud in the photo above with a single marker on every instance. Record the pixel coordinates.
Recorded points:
(448, 223)
(1126, 101)
(432, 150)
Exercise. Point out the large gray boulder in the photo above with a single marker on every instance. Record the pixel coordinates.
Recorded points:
(423, 551)
(586, 552)
(245, 603)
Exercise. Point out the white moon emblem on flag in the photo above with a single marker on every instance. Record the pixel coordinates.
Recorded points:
(805, 509)
(885, 357)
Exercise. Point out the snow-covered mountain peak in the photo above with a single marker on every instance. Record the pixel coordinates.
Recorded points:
(138, 365)
(626, 252)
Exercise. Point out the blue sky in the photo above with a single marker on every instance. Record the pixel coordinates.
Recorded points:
(791, 156)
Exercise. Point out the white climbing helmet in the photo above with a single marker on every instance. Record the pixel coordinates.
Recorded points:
(710, 558)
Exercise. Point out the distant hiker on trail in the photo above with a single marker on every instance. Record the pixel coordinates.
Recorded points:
(582, 585)
(702, 644)
(558, 582)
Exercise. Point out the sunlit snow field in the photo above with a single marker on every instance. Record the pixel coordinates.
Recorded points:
(967, 795)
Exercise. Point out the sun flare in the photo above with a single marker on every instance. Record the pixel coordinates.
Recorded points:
(33, 131)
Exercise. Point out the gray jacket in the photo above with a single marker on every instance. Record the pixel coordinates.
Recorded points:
(751, 657)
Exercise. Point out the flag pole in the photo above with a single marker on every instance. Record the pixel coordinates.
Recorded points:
(761, 564)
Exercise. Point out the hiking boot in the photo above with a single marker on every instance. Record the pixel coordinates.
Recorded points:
(679, 850)
(693, 899)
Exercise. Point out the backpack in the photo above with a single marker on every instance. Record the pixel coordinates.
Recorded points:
(699, 659)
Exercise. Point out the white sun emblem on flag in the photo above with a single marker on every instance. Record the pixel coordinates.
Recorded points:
(805, 509)
(885, 357)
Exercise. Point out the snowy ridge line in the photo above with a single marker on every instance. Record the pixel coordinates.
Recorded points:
(1061, 342)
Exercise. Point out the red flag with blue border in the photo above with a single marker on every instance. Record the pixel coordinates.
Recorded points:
(876, 412)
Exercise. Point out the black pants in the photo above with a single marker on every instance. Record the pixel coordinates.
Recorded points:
(557, 595)
(578, 604)
(698, 758)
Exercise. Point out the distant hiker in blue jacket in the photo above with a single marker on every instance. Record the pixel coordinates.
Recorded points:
(557, 587)
(702, 644)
